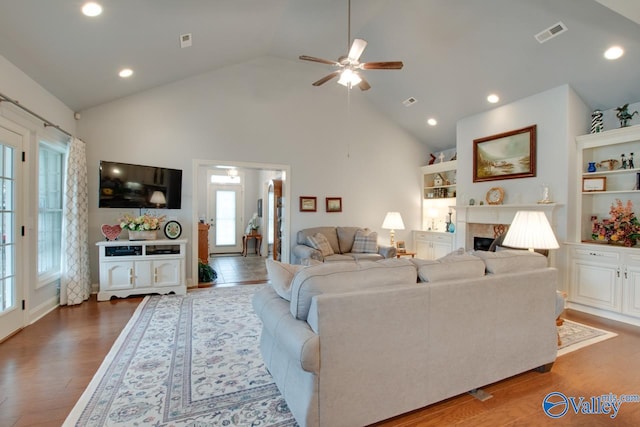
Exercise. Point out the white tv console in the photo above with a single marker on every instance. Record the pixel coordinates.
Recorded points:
(134, 267)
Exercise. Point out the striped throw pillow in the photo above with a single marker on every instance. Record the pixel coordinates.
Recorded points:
(365, 242)
(319, 241)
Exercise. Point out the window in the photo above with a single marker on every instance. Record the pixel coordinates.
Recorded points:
(50, 202)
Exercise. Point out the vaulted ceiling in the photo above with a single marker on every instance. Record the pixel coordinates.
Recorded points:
(455, 52)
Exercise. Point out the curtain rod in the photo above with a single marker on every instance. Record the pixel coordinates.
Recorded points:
(46, 122)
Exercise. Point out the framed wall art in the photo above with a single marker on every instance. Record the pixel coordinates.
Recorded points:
(308, 204)
(506, 155)
(596, 183)
(334, 204)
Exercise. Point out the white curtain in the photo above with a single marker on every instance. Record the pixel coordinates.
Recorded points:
(75, 286)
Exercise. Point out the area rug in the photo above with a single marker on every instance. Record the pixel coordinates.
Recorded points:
(574, 336)
(188, 360)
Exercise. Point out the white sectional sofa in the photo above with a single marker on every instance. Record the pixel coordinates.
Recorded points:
(349, 344)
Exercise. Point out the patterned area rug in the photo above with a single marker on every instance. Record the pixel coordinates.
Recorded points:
(186, 361)
(574, 336)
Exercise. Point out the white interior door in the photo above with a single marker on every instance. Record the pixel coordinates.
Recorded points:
(225, 215)
(12, 315)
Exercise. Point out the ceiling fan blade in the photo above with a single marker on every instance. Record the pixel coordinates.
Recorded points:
(389, 65)
(357, 47)
(364, 84)
(326, 78)
(320, 60)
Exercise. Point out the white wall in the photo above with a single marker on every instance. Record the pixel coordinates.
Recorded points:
(20, 87)
(264, 111)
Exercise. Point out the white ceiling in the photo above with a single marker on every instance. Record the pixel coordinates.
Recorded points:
(455, 52)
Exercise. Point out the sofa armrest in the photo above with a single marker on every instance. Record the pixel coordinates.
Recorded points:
(295, 337)
(387, 251)
(303, 252)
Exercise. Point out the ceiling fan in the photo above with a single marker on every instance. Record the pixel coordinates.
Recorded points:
(349, 66)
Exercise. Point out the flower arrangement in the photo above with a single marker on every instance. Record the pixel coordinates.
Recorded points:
(622, 227)
(144, 222)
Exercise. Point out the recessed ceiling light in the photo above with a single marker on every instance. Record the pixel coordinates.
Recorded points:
(614, 52)
(493, 98)
(125, 72)
(91, 9)
(432, 122)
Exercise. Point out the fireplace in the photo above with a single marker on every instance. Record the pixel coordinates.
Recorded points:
(482, 243)
(488, 222)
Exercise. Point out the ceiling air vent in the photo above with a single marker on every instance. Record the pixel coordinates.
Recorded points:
(551, 32)
(409, 101)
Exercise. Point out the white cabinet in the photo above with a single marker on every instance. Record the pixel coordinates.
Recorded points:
(605, 280)
(432, 244)
(141, 267)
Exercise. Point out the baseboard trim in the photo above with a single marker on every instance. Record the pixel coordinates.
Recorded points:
(619, 317)
(43, 309)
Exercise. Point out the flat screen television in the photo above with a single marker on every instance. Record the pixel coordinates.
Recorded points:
(124, 185)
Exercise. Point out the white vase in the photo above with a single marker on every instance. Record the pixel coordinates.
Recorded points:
(143, 235)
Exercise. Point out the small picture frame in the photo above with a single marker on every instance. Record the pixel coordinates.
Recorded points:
(334, 204)
(400, 246)
(308, 204)
(259, 208)
(597, 183)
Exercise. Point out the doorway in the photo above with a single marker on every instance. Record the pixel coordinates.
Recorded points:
(12, 316)
(257, 177)
(225, 213)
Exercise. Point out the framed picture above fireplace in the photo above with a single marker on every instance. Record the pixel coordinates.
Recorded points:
(506, 155)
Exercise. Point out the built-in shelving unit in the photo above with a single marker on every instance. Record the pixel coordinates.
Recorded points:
(604, 279)
(438, 199)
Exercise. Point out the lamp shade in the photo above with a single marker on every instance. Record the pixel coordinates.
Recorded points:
(393, 221)
(530, 230)
(158, 198)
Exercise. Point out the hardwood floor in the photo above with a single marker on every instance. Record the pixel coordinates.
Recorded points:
(45, 368)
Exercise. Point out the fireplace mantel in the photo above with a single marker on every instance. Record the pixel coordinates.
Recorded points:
(495, 214)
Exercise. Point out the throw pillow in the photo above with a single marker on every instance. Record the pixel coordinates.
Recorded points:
(319, 241)
(365, 242)
(281, 276)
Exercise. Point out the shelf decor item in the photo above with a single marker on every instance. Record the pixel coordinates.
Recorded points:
(172, 229)
(506, 155)
(622, 113)
(597, 122)
(111, 232)
(622, 228)
(143, 227)
(592, 167)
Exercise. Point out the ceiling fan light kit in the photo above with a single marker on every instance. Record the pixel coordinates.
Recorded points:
(350, 65)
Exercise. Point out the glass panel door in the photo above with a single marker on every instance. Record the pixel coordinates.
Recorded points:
(225, 218)
(11, 313)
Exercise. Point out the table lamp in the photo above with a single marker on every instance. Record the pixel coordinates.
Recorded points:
(158, 198)
(393, 221)
(530, 230)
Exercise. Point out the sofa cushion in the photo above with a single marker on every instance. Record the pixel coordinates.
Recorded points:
(346, 236)
(450, 267)
(340, 277)
(365, 241)
(511, 260)
(329, 233)
(319, 241)
(281, 275)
